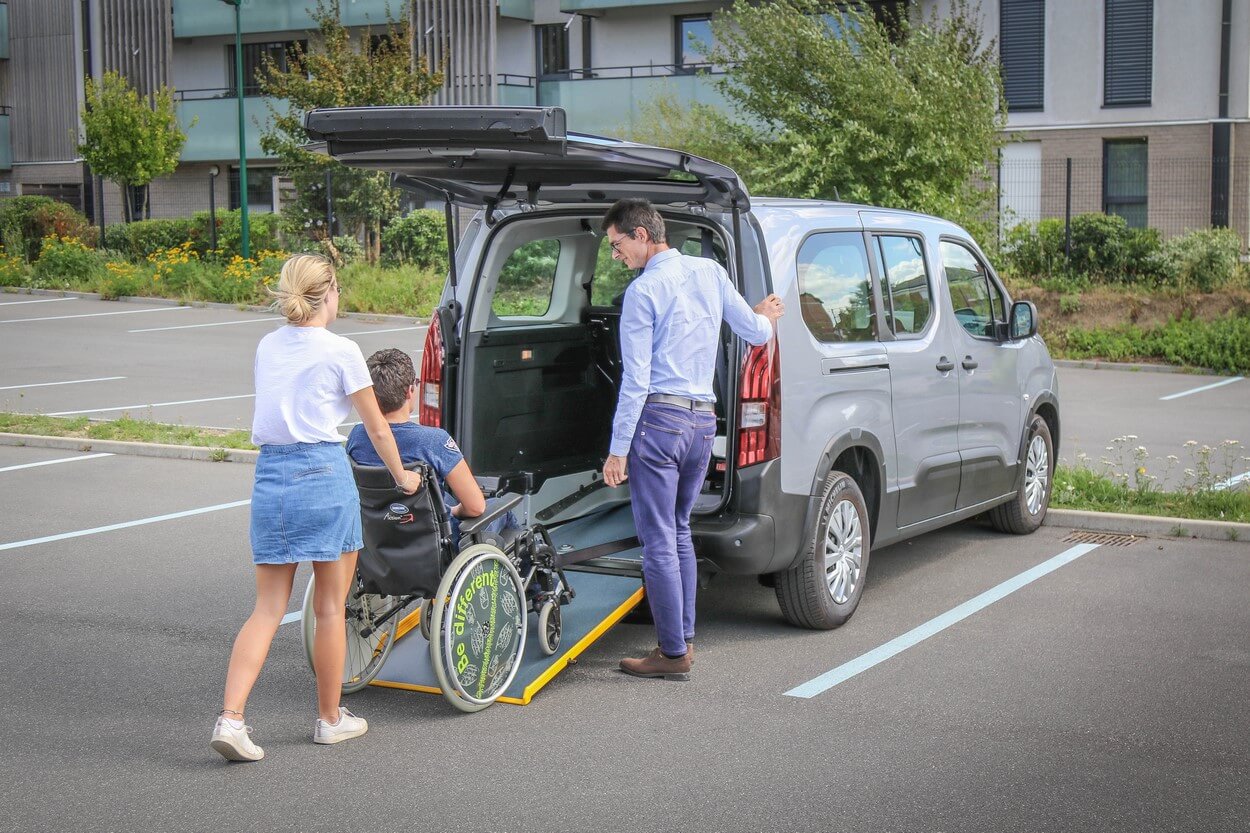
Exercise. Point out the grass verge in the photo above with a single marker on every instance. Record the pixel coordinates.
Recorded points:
(1081, 488)
(126, 429)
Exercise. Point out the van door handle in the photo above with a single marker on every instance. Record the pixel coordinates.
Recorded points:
(969, 363)
(944, 364)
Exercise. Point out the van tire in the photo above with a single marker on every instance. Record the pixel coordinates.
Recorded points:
(803, 591)
(1015, 516)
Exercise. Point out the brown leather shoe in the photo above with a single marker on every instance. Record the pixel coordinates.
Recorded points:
(655, 664)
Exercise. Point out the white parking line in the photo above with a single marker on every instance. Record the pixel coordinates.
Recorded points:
(1231, 482)
(194, 326)
(935, 625)
(293, 616)
(58, 460)
(30, 542)
(1201, 389)
(149, 405)
(90, 315)
(70, 382)
(40, 301)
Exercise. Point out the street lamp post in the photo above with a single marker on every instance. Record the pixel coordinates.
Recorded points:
(212, 206)
(238, 91)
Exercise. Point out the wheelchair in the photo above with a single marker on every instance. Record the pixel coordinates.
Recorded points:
(472, 596)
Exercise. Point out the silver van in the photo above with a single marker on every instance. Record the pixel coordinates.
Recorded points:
(904, 390)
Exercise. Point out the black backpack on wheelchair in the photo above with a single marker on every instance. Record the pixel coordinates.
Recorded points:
(407, 537)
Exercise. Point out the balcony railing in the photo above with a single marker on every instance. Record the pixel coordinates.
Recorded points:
(611, 100)
(203, 18)
(215, 135)
(6, 141)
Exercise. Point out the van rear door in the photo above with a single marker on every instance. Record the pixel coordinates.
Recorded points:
(498, 156)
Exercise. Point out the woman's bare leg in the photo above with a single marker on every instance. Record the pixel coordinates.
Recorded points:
(334, 579)
(251, 646)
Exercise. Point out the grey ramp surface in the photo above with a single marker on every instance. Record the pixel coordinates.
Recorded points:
(598, 598)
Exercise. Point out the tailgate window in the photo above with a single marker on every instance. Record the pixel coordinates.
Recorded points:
(527, 280)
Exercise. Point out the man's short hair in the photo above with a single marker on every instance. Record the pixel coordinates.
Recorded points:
(392, 374)
(629, 215)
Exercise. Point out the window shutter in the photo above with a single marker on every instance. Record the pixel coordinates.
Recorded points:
(1022, 50)
(1129, 59)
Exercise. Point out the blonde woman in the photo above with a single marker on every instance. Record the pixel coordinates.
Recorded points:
(304, 501)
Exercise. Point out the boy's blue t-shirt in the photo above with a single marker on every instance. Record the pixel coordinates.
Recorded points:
(416, 442)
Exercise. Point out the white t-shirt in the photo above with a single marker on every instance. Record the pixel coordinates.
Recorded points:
(304, 376)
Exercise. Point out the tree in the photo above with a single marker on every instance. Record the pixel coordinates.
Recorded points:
(875, 109)
(333, 73)
(128, 139)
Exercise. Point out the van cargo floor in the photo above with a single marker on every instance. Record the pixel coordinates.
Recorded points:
(601, 601)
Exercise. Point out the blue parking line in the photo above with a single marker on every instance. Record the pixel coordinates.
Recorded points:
(878, 655)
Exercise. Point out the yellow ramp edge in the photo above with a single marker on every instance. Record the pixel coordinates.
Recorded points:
(412, 620)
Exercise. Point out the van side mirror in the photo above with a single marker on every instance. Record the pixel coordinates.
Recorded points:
(1023, 321)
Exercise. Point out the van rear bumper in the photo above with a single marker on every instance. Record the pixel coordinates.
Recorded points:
(762, 539)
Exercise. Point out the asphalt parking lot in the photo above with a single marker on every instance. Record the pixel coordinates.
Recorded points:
(1107, 694)
(986, 682)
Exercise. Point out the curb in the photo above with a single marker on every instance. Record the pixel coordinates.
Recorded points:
(1099, 364)
(379, 317)
(1149, 526)
(169, 452)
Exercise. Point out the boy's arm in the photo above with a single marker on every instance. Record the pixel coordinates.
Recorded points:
(464, 486)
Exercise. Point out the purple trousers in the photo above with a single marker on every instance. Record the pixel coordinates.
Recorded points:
(668, 461)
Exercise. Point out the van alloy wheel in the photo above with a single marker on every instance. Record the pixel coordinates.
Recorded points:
(844, 549)
(1036, 474)
(824, 585)
(1026, 509)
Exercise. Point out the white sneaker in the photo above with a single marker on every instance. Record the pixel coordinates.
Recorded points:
(349, 726)
(235, 744)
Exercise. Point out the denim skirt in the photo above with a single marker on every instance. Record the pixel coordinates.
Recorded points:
(305, 506)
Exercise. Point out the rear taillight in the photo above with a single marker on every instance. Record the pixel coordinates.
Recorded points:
(759, 406)
(429, 394)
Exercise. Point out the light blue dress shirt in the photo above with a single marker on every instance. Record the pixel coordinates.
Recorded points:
(670, 325)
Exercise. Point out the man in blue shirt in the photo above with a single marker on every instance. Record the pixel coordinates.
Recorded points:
(665, 421)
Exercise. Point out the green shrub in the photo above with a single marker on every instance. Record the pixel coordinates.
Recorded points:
(1103, 249)
(26, 221)
(1203, 260)
(420, 239)
(1035, 249)
(262, 231)
(123, 280)
(346, 250)
(13, 269)
(64, 261)
(1222, 345)
(141, 239)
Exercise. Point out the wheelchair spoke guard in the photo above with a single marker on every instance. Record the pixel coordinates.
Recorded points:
(478, 627)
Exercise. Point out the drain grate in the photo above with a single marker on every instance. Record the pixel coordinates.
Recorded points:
(1106, 539)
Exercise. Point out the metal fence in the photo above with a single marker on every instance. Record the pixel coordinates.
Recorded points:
(1173, 195)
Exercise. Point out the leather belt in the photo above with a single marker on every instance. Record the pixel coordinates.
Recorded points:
(682, 402)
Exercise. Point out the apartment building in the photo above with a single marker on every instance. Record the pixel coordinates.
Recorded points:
(1136, 107)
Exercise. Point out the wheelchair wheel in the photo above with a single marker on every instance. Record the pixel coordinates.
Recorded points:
(368, 643)
(549, 627)
(477, 627)
(427, 609)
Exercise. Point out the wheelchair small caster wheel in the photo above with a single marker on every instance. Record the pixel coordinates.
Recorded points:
(549, 627)
(427, 610)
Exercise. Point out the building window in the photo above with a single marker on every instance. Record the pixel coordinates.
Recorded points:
(835, 290)
(1124, 180)
(1128, 62)
(254, 57)
(553, 50)
(259, 189)
(1022, 51)
(694, 39)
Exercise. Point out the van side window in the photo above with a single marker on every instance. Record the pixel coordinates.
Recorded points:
(610, 278)
(904, 284)
(835, 292)
(978, 303)
(527, 279)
